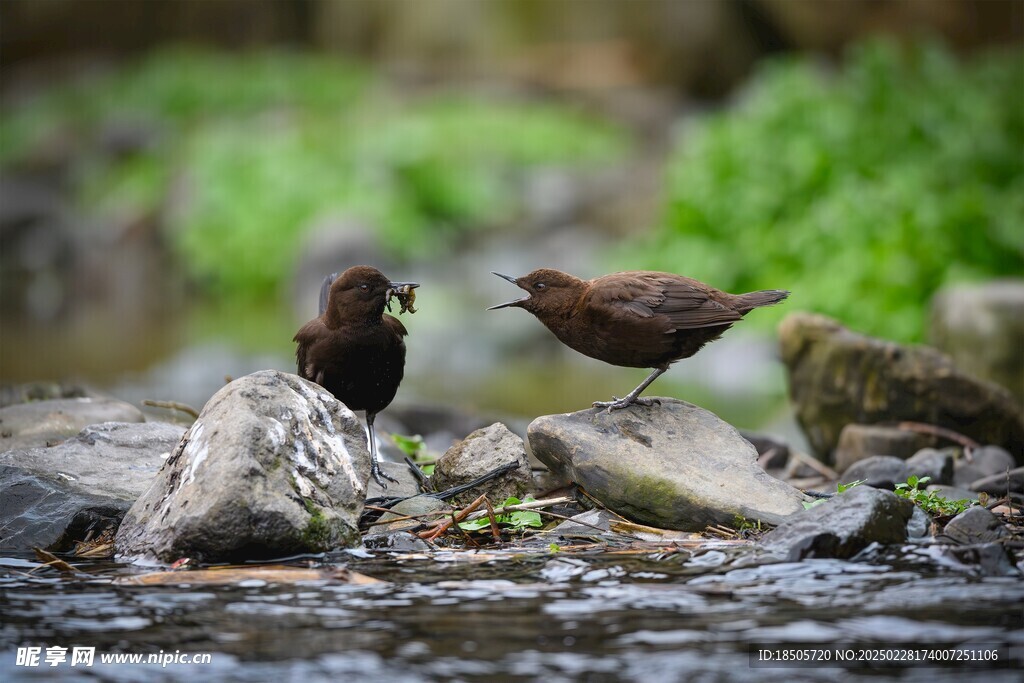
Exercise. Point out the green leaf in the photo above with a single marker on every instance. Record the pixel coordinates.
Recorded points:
(410, 445)
(912, 481)
(525, 518)
(475, 524)
(517, 519)
(841, 488)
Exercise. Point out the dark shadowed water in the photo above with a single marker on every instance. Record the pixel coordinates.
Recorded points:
(521, 615)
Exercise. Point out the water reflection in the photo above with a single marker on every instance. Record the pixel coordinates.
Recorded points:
(508, 615)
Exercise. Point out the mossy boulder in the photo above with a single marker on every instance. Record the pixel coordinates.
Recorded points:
(671, 465)
(838, 377)
(273, 466)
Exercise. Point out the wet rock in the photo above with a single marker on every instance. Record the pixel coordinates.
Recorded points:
(401, 542)
(858, 441)
(838, 377)
(273, 466)
(879, 471)
(985, 462)
(673, 465)
(937, 465)
(919, 524)
(976, 525)
(407, 484)
(52, 497)
(1000, 484)
(843, 526)
(479, 453)
(589, 524)
(25, 425)
(981, 327)
(988, 559)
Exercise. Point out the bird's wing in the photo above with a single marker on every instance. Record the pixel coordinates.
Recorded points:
(684, 302)
(305, 338)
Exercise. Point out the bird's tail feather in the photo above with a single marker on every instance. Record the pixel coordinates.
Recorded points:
(325, 291)
(766, 297)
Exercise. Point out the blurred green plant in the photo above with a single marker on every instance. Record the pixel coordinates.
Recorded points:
(862, 191)
(239, 154)
(930, 501)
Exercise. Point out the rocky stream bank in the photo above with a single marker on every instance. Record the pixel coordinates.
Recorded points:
(916, 464)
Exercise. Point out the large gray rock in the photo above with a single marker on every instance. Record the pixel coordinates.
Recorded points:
(843, 526)
(976, 525)
(273, 466)
(672, 465)
(982, 328)
(52, 497)
(838, 377)
(857, 442)
(481, 452)
(38, 423)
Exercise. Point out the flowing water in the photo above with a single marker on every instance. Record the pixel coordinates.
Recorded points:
(524, 614)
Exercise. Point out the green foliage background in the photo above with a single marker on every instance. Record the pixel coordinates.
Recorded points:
(247, 150)
(862, 191)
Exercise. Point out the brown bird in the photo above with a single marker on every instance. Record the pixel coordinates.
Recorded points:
(636, 319)
(353, 349)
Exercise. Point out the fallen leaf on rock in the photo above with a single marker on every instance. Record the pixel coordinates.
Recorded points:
(50, 560)
(650, 533)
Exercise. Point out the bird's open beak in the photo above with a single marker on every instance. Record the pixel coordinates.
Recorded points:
(517, 302)
(402, 285)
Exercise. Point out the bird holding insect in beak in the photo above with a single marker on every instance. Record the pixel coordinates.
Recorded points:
(353, 349)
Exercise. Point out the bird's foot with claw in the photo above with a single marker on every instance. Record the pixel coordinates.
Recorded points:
(379, 476)
(620, 403)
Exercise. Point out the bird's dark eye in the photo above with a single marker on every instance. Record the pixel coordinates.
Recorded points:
(364, 288)
(539, 286)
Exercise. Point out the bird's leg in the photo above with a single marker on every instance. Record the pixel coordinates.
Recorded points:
(378, 474)
(633, 396)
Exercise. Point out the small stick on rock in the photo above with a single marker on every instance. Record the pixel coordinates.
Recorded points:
(443, 526)
(967, 442)
(172, 405)
(495, 531)
(813, 463)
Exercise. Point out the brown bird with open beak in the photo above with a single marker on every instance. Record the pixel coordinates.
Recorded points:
(636, 319)
(353, 349)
